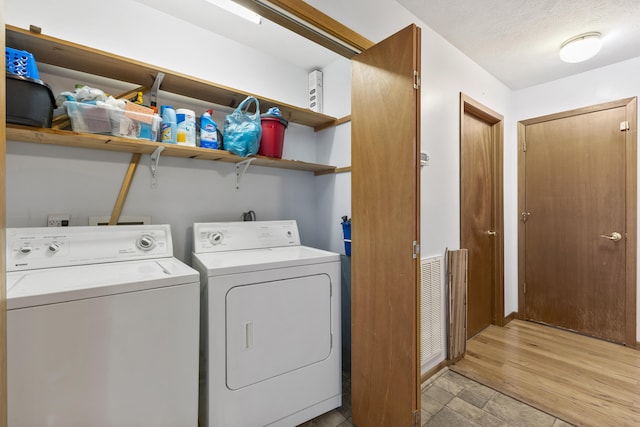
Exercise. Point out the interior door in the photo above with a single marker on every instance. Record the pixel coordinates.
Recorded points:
(577, 232)
(385, 206)
(481, 213)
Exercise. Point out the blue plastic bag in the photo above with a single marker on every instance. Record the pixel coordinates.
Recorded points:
(242, 131)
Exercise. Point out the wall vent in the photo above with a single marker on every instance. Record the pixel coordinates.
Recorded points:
(431, 306)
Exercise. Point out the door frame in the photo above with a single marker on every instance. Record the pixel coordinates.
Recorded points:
(3, 295)
(631, 137)
(470, 106)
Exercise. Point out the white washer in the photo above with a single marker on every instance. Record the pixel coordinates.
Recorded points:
(102, 328)
(271, 341)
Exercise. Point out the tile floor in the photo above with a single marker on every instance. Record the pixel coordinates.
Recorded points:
(451, 400)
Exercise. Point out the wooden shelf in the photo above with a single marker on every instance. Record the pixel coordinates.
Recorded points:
(53, 51)
(113, 143)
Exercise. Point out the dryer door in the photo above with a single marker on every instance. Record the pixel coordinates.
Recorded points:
(276, 327)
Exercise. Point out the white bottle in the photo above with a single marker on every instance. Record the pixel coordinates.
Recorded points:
(186, 120)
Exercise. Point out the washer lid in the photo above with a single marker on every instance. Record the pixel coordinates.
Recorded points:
(233, 262)
(55, 285)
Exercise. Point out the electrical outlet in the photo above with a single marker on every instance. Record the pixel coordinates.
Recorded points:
(58, 220)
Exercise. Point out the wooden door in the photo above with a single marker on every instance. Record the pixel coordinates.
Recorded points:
(578, 188)
(481, 207)
(3, 300)
(385, 206)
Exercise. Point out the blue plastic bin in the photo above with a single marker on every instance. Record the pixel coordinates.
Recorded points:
(346, 234)
(21, 63)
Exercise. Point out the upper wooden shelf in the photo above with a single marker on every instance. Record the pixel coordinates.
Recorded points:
(53, 51)
(113, 143)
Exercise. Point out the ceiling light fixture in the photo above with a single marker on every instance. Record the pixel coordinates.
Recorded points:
(237, 10)
(580, 48)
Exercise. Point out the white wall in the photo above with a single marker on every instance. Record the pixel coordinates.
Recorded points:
(334, 148)
(605, 84)
(47, 179)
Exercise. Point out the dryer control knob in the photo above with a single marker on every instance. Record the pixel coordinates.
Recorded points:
(54, 247)
(146, 242)
(25, 250)
(216, 238)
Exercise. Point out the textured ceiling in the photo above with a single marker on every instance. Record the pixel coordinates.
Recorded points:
(517, 41)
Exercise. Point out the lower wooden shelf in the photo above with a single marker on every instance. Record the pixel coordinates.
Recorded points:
(114, 143)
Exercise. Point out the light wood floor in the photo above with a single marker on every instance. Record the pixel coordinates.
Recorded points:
(584, 381)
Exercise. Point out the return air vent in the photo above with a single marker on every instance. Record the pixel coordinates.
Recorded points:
(431, 306)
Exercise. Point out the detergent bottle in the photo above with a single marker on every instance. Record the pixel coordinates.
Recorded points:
(208, 131)
(169, 126)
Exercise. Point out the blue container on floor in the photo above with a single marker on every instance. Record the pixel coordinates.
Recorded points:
(346, 233)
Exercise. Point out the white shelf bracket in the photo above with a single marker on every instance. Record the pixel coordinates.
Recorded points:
(155, 158)
(154, 89)
(241, 168)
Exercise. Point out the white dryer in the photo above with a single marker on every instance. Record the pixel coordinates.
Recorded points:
(102, 328)
(270, 332)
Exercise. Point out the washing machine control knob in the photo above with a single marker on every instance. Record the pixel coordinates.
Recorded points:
(25, 250)
(54, 247)
(146, 242)
(216, 238)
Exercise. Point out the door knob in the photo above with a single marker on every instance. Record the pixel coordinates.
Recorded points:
(615, 236)
(491, 233)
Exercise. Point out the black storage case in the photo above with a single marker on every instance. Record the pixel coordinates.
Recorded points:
(30, 102)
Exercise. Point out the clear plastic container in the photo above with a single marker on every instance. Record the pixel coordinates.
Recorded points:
(100, 119)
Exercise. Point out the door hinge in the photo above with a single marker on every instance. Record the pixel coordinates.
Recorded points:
(524, 145)
(416, 249)
(416, 79)
(416, 419)
(524, 287)
(624, 126)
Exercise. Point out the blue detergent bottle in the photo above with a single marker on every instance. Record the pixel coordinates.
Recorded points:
(169, 127)
(208, 131)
